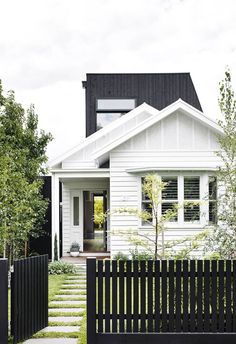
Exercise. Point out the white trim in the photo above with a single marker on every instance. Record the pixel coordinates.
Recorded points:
(55, 213)
(179, 169)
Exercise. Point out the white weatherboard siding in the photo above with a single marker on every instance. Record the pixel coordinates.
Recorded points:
(176, 146)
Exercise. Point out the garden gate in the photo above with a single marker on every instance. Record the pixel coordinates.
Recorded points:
(159, 302)
(3, 301)
(29, 297)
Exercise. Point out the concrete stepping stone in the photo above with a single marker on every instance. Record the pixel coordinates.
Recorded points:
(70, 296)
(76, 291)
(65, 319)
(81, 281)
(51, 340)
(65, 329)
(67, 302)
(79, 286)
(66, 310)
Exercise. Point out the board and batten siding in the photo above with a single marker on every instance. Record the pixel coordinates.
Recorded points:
(177, 142)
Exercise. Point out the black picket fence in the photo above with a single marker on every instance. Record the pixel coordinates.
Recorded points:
(161, 302)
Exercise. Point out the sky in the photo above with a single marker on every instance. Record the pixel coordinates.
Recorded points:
(48, 46)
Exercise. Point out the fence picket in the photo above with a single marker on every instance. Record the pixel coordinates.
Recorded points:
(171, 297)
(107, 296)
(100, 295)
(192, 295)
(178, 308)
(128, 296)
(150, 295)
(214, 296)
(143, 295)
(121, 296)
(136, 296)
(228, 319)
(114, 296)
(185, 296)
(221, 296)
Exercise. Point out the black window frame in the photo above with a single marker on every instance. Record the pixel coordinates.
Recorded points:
(113, 111)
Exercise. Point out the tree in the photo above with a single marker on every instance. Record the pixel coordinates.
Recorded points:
(22, 164)
(223, 238)
(154, 241)
(99, 217)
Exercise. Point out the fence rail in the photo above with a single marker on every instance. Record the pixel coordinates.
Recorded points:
(29, 297)
(3, 301)
(161, 301)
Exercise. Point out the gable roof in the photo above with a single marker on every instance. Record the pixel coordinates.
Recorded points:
(153, 117)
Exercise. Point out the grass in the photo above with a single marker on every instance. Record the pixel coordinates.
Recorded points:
(82, 337)
(55, 282)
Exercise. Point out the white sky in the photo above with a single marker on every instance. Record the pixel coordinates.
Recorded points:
(48, 46)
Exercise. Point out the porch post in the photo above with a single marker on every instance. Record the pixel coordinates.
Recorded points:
(55, 212)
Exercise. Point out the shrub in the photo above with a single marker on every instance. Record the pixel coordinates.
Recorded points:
(120, 256)
(59, 267)
(140, 255)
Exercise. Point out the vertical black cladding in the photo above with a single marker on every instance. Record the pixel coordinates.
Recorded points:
(158, 90)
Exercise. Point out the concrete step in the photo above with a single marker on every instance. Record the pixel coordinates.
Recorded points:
(71, 296)
(64, 319)
(68, 302)
(76, 291)
(66, 310)
(64, 329)
(51, 341)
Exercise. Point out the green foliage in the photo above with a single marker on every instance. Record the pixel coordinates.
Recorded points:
(120, 256)
(99, 217)
(140, 255)
(55, 248)
(223, 238)
(60, 267)
(22, 160)
(75, 247)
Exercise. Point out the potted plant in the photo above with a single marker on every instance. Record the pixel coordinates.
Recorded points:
(74, 249)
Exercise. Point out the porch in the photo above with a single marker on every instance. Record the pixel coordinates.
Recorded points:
(79, 201)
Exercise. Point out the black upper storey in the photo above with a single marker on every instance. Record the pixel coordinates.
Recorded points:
(158, 90)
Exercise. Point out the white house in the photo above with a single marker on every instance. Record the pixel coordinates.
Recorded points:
(178, 143)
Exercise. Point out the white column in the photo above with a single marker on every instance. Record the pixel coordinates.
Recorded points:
(55, 212)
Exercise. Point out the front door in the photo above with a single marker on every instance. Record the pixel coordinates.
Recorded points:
(95, 205)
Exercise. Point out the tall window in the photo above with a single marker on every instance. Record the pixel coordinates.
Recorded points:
(108, 110)
(75, 211)
(146, 205)
(191, 199)
(170, 196)
(212, 199)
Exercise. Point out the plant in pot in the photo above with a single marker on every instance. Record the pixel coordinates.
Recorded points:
(74, 249)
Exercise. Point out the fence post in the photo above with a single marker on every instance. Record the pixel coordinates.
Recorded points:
(91, 301)
(3, 301)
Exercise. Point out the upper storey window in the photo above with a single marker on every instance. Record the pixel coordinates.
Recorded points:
(108, 110)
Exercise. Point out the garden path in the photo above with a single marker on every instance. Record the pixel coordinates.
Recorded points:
(66, 312)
